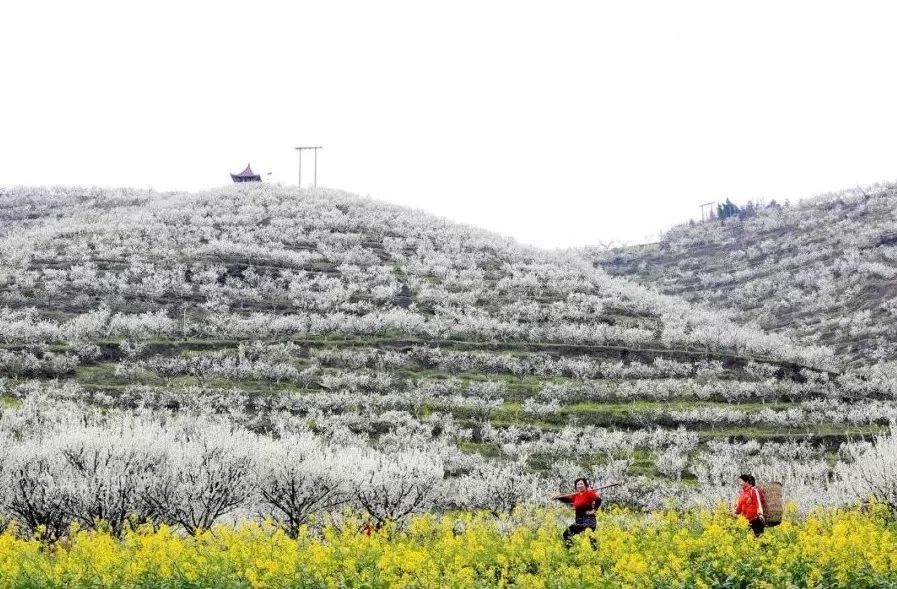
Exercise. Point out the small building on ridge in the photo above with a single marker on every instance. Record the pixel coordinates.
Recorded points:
(246, 175)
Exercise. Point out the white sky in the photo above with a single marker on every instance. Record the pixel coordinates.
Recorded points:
(557, 123)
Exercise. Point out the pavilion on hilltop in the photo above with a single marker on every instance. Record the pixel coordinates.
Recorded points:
(246, 175)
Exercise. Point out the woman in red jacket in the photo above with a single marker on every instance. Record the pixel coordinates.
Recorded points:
(584, 501)
(750, 504)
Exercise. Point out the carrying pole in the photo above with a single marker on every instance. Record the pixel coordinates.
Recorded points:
(617, 484)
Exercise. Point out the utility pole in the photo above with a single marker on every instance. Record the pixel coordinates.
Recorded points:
(707, 204)
(316, 148)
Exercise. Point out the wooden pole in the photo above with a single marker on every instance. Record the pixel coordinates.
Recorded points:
(610, 485)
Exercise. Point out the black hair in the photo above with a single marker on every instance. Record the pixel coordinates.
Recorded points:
(748, 479)
(584, 480)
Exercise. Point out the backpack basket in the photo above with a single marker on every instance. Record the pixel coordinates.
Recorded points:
(773, 502)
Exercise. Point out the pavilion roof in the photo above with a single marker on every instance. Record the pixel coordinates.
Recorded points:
(246, 174)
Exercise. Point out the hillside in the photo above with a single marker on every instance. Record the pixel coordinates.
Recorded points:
(323, 263)
(313, 339)
(821, 272)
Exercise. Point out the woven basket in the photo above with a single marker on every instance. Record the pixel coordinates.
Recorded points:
(773, 503)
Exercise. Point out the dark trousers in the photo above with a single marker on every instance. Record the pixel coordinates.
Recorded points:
(757, 526)
(574, 529)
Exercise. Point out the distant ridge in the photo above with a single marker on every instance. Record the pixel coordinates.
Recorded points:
(823, 272)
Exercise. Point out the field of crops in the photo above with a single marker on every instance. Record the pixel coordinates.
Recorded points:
(843, 548)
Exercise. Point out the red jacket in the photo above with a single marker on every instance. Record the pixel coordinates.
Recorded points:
(584, 499)
(583, 504)
(748, 503)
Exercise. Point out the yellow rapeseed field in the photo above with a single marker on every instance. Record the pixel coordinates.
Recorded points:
(671, 549)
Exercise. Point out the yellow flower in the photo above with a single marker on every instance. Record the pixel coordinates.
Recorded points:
(668, 548)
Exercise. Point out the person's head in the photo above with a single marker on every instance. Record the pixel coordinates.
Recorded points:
(581, 484)
(746, 480)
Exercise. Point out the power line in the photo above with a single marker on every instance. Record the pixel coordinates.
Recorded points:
(300, 149)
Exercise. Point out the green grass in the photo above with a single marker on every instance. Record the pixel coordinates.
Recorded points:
(825, 431)
(831, 458)
(679, 405)
(642, 464)
(8, 402)
(102, 373)
(487, 449)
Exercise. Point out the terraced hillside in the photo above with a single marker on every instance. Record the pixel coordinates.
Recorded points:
(272, 340)
(822, 272)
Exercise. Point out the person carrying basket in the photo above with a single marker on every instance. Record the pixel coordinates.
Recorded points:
(750, 504)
